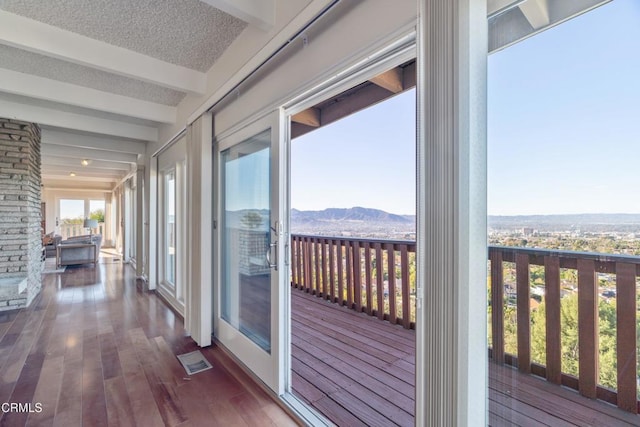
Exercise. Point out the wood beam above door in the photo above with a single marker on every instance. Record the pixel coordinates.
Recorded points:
(309, 117)
(391, 80)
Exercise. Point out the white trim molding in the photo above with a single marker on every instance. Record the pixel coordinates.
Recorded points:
(451, 317)
(199, 289)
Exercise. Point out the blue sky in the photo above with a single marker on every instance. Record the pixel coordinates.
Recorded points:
(366, 159)
(247, 176)
(74, 208)
(563, 130)
(564, 117)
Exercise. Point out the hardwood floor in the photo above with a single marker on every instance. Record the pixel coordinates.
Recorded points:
(93, 350)
(358, 370)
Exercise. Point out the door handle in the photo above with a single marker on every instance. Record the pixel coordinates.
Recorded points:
(268, 255)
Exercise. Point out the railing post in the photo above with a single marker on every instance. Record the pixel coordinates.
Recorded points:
(307, 264)
(316, 260)
(587, 328)
(332, 269)
(391, 266)
(294, 273)
(404, 274)
(339, 259)
(497, 310)
(523, 315)
(299, 260)
(349, 265)
(367, 277)
(325, 284)
(379, 281)
(552, 320)
(626, 336)
(357, 277)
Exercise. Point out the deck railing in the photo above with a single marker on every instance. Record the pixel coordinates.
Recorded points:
(72, 230)
(372, 276)
(355, 273)
(588, 266)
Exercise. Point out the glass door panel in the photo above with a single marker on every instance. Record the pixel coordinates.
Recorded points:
(246, 239)
(71, 218)
(250, 249)
(170, 227)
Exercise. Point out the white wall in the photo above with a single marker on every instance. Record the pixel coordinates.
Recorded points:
(351, 29)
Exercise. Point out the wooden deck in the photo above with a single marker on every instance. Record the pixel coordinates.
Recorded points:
(358, 370)
(95, 350)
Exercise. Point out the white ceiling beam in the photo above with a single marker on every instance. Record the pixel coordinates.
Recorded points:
(78, 179)
(496, 7)
(73, 121)
(34, 36)
(63, 170)
(536, 12)
(260, 13)
(68, 185)
(75, 163)
(84, 97)
(48, 168)
(56, 137)
(86, 153)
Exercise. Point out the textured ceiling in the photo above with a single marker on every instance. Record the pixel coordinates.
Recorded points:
(183, 32)
(43, 66)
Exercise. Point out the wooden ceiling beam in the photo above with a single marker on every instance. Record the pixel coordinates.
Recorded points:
(391, 80)
(309, 117)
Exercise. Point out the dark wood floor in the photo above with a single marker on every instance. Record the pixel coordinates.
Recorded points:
(94, 350)
(357, 370)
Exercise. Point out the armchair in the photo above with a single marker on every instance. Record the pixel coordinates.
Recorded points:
(79, 250)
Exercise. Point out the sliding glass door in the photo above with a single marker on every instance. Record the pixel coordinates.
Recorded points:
(169, 228)
(251, 245)
(172, 225)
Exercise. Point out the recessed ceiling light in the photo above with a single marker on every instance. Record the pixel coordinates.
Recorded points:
(72, 174)
(85, 162)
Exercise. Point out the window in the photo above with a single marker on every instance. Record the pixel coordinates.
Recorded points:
(170, 227)
(72, 213)
(562, 225)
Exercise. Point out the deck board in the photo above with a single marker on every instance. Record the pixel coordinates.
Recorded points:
(358, 370)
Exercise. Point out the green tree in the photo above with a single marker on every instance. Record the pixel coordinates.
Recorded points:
(98, 215)
(569, 338)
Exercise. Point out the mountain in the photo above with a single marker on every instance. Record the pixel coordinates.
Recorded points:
(351, 214)
(354, 222)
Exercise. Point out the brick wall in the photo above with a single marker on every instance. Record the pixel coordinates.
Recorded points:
(20, 234)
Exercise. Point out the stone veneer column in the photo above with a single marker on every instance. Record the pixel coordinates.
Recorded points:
(20, 231)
